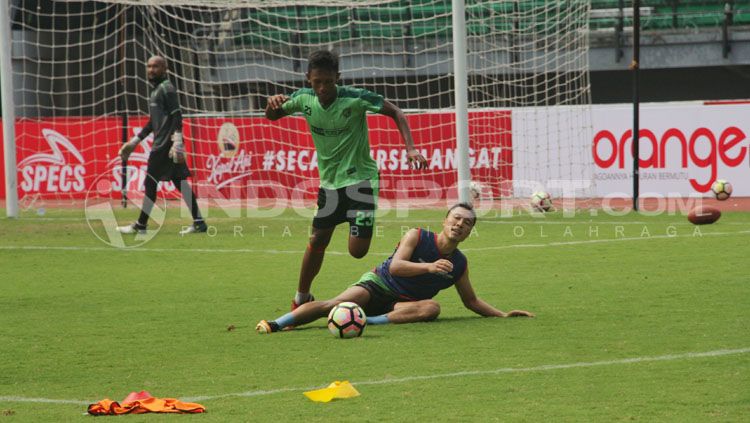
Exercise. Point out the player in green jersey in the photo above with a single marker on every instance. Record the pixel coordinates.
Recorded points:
(336, 116)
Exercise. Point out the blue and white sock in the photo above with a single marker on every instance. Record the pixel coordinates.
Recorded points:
(285, 320)
(378, 320)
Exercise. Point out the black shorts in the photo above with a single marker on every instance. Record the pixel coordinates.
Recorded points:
(381, 301)
(355, 204)
(162, 168)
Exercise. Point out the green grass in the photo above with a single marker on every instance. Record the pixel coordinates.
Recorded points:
(94, 322)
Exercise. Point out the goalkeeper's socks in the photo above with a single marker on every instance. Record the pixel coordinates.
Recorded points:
(378, 320)
(283, 321)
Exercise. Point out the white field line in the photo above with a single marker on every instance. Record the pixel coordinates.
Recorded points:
(343, 253)
(467, 373)
(406, 222)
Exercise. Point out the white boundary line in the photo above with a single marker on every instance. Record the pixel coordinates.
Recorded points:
(468, 373)
(588, 220)
(342, 253)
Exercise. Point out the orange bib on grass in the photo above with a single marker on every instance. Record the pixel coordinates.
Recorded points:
(148, 405)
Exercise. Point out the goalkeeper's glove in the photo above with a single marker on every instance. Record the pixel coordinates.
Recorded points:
(127, 149)
(177, 152)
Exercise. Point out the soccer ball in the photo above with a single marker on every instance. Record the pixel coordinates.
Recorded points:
(475, 188)
(721, 189)
(347, 320)
(541, 201)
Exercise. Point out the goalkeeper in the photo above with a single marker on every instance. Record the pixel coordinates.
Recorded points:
(336, 116)
(166, 162)
(400, 290)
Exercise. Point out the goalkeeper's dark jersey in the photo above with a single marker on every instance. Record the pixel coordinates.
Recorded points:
(427, 285)
(165, 113)
(166, 118)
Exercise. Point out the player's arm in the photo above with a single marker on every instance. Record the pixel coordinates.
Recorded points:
(479, 306)
(174, 123)
(393, 112)
(274, 111)
(127, 149)
(402, 266)
(146, 131)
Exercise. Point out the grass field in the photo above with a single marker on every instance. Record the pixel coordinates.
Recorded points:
(638, 318)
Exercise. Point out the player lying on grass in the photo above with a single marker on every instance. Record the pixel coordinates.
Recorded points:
(400, 290)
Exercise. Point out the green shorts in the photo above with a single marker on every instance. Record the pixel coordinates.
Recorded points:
(382, 300)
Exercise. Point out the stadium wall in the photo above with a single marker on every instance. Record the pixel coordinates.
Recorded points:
(685, 146)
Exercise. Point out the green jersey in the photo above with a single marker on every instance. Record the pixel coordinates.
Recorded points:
(339, 133)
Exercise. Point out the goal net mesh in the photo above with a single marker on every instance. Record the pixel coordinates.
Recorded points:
(80, 89)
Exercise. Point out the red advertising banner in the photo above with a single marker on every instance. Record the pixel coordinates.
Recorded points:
(248, 154)
(252, 157)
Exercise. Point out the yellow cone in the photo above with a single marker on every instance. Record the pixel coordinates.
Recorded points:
(337, 389)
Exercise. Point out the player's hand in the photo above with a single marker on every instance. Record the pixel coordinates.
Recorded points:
(519, 313)
(177, 152)
(441, 266)
(275, 101)
(127, 149)
(416, 159)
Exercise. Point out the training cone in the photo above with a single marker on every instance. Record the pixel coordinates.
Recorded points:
(336, 390)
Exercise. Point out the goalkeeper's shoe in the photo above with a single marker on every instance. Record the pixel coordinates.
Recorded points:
(265, 327)
(196, 228)
(133, 228)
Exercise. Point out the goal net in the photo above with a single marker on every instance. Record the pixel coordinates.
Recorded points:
(80, 90)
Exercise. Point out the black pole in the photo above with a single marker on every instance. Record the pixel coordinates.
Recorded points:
(123, 109)
(635, 65)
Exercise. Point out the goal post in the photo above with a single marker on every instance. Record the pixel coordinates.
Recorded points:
(8, 112)
(520, 72)
(461, 93)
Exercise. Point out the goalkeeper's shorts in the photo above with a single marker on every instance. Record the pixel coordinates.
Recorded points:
(162, 168)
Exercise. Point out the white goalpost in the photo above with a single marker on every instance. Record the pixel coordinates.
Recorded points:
(8, 115)
(497, 94)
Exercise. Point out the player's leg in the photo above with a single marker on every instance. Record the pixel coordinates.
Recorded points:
(323, 225)
(414, 311)
(358, 247)
(313, 310)
(150, 184)
(188, 195)
(361, 200)
(312, 261)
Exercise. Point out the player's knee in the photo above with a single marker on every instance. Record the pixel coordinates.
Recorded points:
(430, 310)
(319, 241)
(358, 252)
(327, 305)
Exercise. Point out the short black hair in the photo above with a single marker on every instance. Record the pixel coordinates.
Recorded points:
(324, 60)
(466, 206)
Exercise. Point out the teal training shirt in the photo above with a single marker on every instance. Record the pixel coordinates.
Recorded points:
(340, 133)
